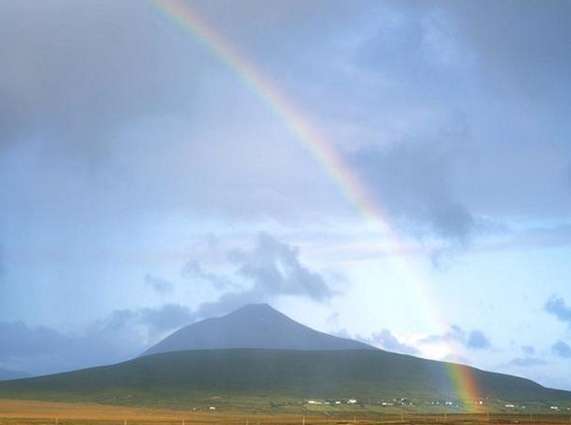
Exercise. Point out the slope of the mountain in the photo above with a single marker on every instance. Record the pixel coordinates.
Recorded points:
(252, 326)
(11, 374)
(257, 353)
(189, 377)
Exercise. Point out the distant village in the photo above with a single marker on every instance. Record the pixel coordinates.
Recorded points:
(447, 404)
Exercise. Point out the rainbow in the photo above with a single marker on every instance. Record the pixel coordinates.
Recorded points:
(322, 150)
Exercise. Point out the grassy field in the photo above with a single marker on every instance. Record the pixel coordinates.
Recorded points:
(19, 412)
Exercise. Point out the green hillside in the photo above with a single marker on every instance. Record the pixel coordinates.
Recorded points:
(193, 377)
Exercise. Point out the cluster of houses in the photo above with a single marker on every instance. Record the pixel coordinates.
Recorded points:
(333, 402)
(395, 402)
(554, 408)
(404, 402)
(354, 401)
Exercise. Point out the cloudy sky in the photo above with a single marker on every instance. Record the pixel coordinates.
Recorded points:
(148, 183)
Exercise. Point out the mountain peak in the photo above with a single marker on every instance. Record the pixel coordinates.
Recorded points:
(256, 308)
(252, 326)
(261, 311)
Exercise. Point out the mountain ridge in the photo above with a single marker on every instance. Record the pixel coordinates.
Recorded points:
(189, 377)
(252, 326)
(197, 377)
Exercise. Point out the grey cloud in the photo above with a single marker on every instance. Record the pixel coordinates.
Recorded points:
(478, 341)
(117, 108)
(155, 321)
(449, 174)
(17, 339)
(413, 44)
(270, 269)
(513, 47)
(524, 362)
(74, 76)
(562, 349)
(1, 265)
(473, 340)
(194, 270)
(557, 307)
(92, 80)
(553, 236)
(530, 55)
(41, 350)
(119, 336)
(453, 220)
(275, 266)
(385, 339)
(454, 334)
(414, 182)
(161, 286)
(528, 350)
(453, 187)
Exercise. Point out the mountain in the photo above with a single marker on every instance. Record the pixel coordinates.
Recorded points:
(252, 326)
(256, 356)
(11, 374)
(235, 376)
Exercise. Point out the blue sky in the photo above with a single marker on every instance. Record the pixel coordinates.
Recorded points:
(145, 185)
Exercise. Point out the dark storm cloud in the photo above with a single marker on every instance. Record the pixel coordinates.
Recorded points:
(557, 307)
(562, 349)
